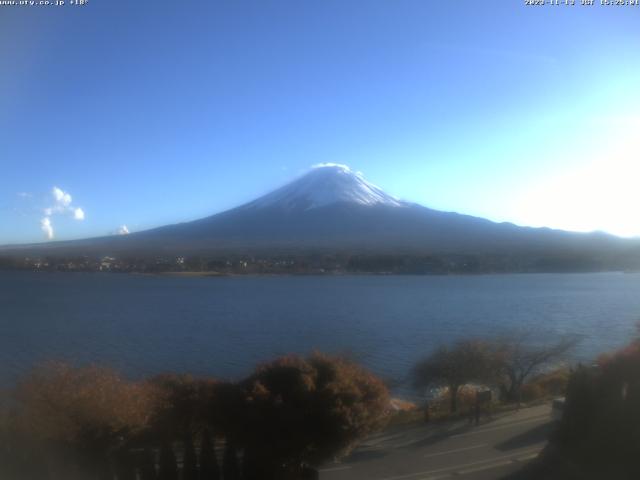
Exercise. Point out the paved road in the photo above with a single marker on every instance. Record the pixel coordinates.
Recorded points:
(490, 450)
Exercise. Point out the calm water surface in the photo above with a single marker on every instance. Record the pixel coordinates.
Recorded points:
(223, 326)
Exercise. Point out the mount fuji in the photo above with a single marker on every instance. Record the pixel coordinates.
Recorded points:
(333, 209)
(324, 185)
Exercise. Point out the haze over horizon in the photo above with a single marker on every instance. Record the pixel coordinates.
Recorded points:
(121, 116)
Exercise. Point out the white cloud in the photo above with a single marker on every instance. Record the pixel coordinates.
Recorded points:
(61, 197)
(341, 166)
(61, 204)
(123, 230)
(46, 227)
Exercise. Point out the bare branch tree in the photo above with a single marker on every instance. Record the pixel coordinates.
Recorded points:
(465, 362)
(519, 357)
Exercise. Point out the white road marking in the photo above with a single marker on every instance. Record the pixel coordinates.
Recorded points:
(527, 457)
(456, 450)
(500, 427)
(465, 465)
(485, 467)
(335, 469)
(438, 477)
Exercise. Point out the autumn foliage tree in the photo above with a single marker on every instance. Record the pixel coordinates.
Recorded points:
(82, 414)
(304, 411)
(290, 414)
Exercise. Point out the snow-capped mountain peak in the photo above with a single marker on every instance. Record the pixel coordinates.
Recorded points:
(323, 185)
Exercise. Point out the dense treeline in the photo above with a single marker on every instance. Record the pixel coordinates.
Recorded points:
(89, 423)
(344, 262)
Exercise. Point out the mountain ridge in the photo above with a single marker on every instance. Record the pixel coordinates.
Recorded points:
(333, 209)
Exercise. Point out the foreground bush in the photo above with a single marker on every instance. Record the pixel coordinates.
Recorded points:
(77, 418)
(89, 423)
(304, 411)
(182, 405)
(601, 425)
(599, 434)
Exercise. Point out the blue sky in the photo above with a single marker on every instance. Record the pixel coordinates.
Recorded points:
(147, 113)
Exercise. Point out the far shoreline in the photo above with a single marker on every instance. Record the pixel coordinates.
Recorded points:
(213, 274)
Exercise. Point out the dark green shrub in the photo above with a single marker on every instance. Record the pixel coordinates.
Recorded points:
(168, 468)
(189, 460)
(230, 468)
(209, 469)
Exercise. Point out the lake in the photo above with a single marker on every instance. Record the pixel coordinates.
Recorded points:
(143, 324)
